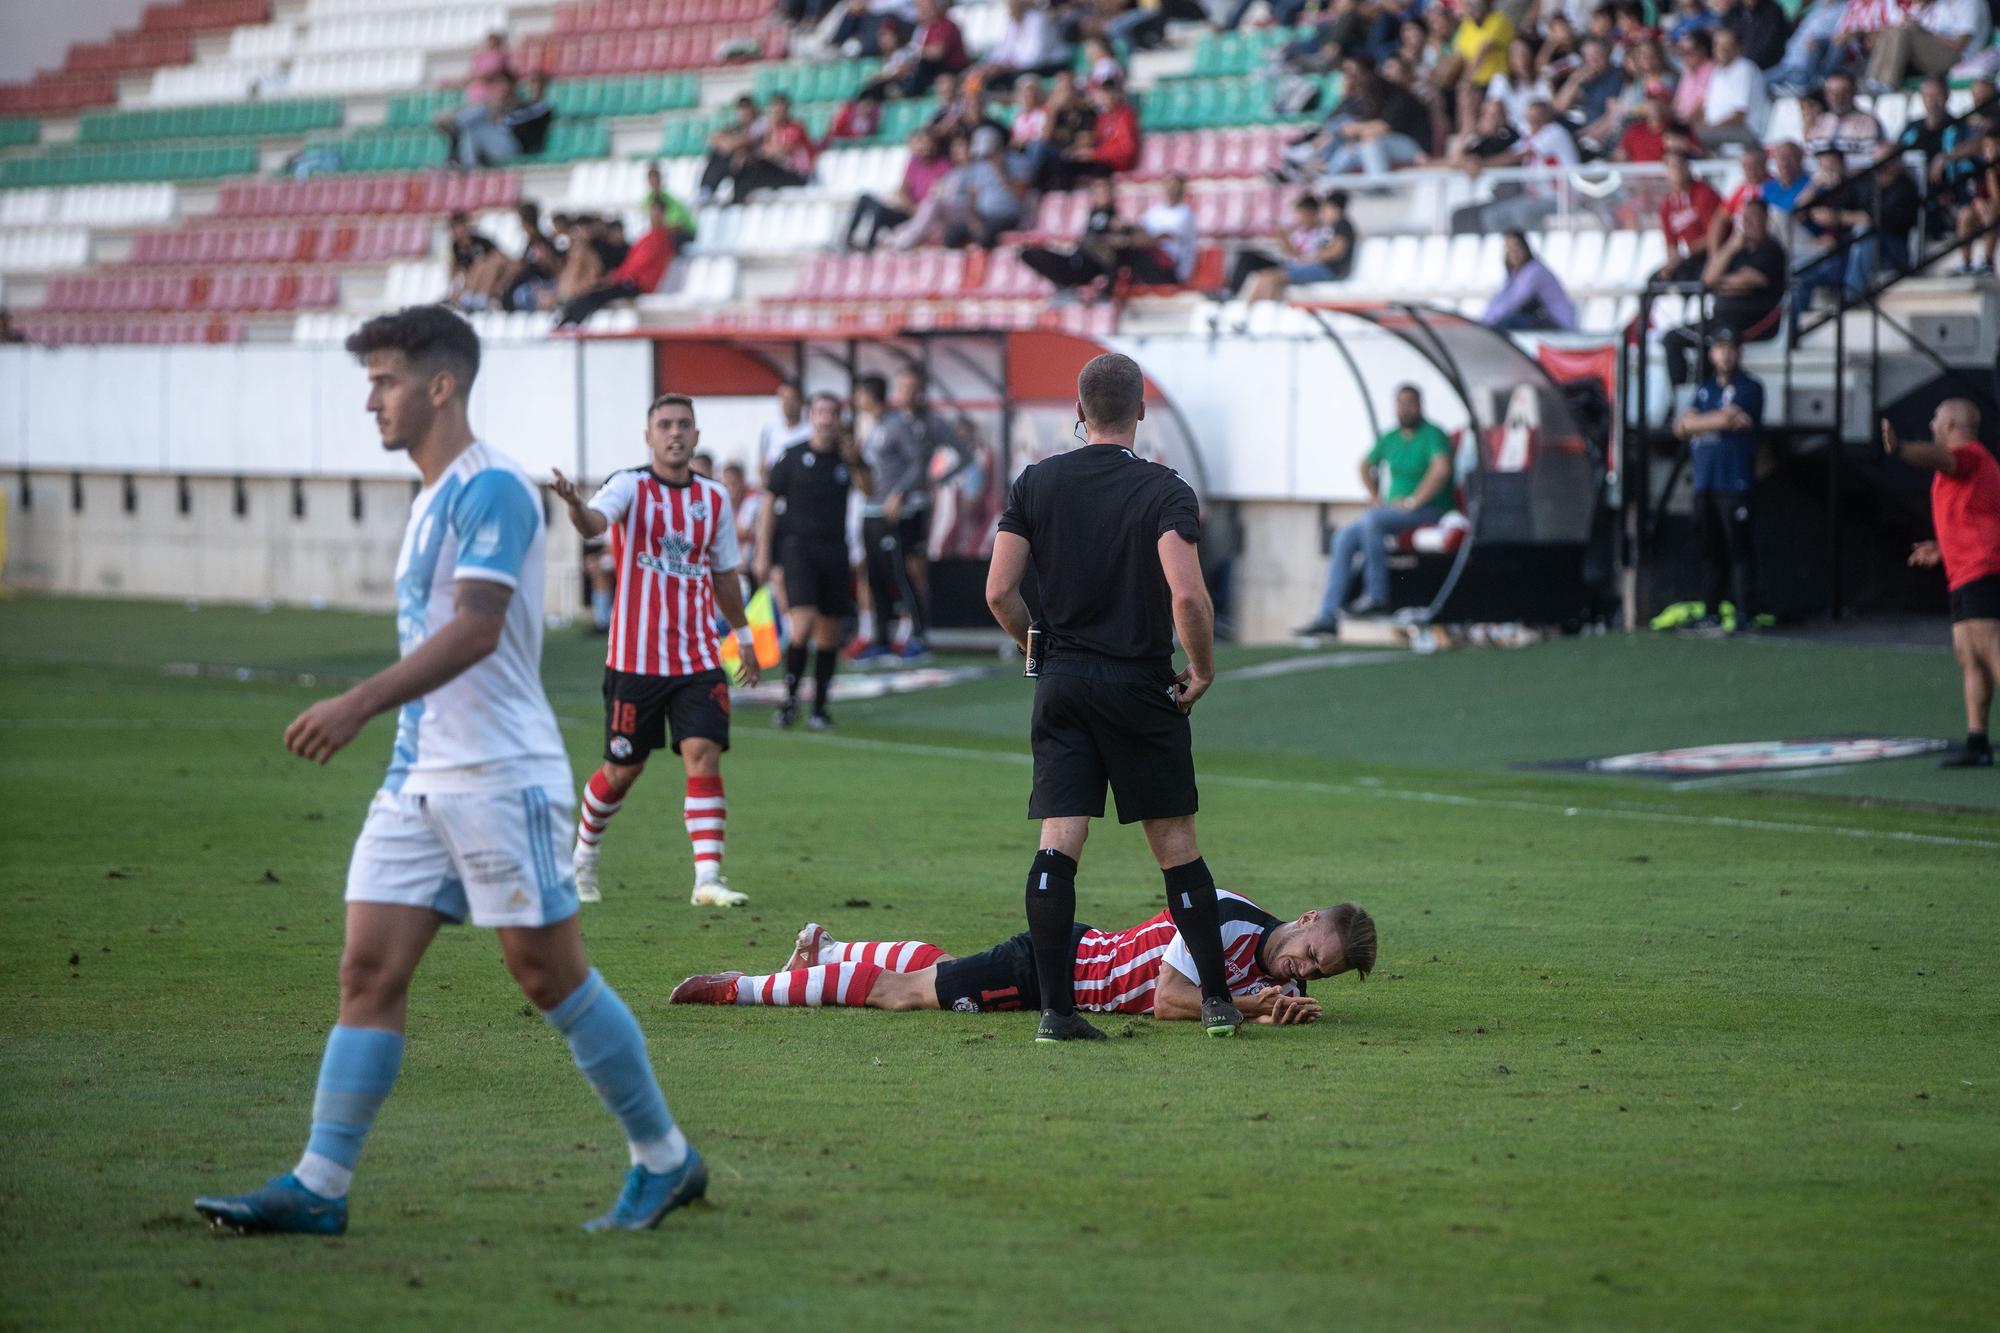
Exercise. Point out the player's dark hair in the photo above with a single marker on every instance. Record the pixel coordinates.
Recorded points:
(830, 397)
(875, 384)
(432, 337)
(1357, 937)
(1111, 388)
(669, 400)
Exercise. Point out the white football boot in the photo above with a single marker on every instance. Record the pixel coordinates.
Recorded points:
(584, 863)
(713, 890)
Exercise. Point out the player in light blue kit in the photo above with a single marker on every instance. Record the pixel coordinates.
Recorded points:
(476, 806)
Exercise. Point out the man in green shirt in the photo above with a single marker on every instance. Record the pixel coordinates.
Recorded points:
(1416, 455)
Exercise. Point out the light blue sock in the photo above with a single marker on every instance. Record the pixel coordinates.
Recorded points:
(611, 1052)
(355, 1076)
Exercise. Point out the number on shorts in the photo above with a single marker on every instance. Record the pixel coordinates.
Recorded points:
(624, 717)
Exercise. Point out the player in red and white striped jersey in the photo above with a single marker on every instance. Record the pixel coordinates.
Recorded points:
(1144, 969)
(673, 541)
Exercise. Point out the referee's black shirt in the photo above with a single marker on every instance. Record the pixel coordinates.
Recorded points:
(1093, 518)
(810, 492)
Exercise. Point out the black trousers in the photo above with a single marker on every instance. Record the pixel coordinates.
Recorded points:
(872, 217)
(889, 578)
(1727, 530)
(579, 309)
(1248, 262)
(1064, 269)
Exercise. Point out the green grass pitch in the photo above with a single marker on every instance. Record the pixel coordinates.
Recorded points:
(1634, 1056)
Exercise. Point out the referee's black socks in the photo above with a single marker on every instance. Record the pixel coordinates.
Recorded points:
(795, 670)
(1191, 903)
(1052, 928)
(824, 661)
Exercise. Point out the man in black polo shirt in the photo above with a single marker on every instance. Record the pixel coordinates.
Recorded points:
(807, 492)
(1748, 274)
(1113, 541)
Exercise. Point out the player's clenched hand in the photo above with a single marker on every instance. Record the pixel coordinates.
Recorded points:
(319, 732)
(1189, 687)
(565, 489)
(748, 673)
(1925, 554)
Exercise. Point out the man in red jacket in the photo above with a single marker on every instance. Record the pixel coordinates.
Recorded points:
(1112, 146)
(644, 267)
(1965, 509)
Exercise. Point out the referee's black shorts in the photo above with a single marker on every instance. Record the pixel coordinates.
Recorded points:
(1098, 722)
(817, 575)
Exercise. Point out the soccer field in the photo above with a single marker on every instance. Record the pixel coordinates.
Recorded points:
(1633, 1055)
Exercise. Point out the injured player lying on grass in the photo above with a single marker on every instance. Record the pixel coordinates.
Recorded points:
(1145, 969)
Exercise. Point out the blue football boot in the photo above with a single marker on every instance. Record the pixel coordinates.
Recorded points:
(283, 1205)
(648, 1197)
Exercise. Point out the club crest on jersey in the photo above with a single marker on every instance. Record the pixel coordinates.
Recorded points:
(675, 557)
(697, 511)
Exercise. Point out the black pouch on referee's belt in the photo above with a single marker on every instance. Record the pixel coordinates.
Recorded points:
(1036, 637)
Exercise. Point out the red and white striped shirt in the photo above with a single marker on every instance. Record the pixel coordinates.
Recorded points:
(666, 540)
(1118, 973)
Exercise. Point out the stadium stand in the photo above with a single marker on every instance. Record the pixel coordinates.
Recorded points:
(139, 153)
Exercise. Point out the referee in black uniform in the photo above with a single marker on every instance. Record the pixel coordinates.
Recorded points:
(1113, 540)
(804, 524)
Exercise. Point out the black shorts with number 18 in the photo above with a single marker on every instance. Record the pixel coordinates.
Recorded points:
(640, 712)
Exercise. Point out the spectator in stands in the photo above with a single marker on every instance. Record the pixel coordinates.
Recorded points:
(1158, 250)
(1688, 17)
(1101, 62)
(1284, 13)
(1722, 426)
(644, 266)
(1070, 114)
(1937, 136)
(1381, 127)
(1029, 44)
(1559, 53)
(1330, 258)
(1736, 106)
(534, 278)
(1695, 54)
(529, 119)
(1760, 27)
(729, 145)
(1479, 46)
(680, 222)
(8, 333)
(1832, 210)
(1111, 146)
(1532, 298)
(1294, 244)
(1417, 457)
(940, 47)
(928, 164)
(1648, 138)
(1789, 177)
(1092, 258)
(1748, 277)
(1548, 146)
(1514, 88)
(1488, 141)
(1686, 212)
(899, 60)
(1029, 150)
(1844, 126)
(1930, 40)
(1588, 95)
(472, 256)
(491, 76)
(783, 157)
(974, 202)
(1815, 49)
(1983, 209)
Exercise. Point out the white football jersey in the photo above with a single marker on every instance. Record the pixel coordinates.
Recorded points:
(491, 726)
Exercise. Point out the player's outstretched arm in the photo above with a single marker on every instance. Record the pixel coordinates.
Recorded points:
(1918, 453)
(582, 517)
(1175, 998)
(1194, 616)
(1003, 586)
(473, 632)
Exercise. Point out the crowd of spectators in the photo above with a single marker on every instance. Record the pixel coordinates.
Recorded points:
(505, 114)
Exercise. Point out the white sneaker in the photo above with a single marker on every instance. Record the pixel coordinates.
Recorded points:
(716, 893)
(584, 863)
(809, 947)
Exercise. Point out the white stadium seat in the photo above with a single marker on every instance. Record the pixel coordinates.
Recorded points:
(418, 30)
(115, 205)
(26, 208)
(1586, 261)
(270, 41)
(38, 249)
(319, 75)
(188, 84)
(415, 282)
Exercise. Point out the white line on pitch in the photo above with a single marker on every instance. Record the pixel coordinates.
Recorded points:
(1451, 799)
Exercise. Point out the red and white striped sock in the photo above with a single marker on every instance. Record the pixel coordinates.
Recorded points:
(892, 955)
(705, 815)
(600, 802)
(845, 984)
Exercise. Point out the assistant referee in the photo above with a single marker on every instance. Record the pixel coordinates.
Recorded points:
(1114, 541)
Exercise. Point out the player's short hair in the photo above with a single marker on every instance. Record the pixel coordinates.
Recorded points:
(875, 385)
(1412, 390)
(829, 396)
(669, 400)
(432, 337)
(1357, 937)
(1111, 388)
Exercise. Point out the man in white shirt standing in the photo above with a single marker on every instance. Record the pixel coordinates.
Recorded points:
(1736, 106)
(476, 801)
(788, 428)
